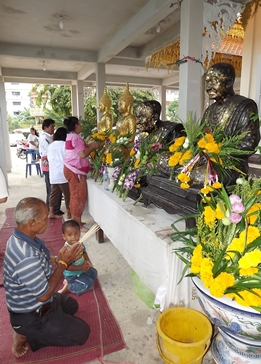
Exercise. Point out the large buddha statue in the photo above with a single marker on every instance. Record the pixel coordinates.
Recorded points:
(234, 113)
(106, 121)
(127, 123)
(148, 120)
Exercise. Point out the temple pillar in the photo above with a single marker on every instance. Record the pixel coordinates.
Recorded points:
(162, 93)
(80, 98)
(5, 155)
(100, 84)
(74, 100)
(190, 73)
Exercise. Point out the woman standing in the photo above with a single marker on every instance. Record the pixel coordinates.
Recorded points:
(76, 167)
(59, 184)
(33, 141)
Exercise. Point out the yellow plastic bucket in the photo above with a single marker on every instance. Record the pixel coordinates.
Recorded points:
(183, 336)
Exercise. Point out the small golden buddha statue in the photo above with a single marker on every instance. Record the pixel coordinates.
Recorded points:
(106, 121)
(127, 124)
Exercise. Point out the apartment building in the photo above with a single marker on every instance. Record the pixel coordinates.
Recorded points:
(17, 97)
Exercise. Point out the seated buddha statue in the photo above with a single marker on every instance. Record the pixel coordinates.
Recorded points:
(148, 120)
(234, 113)
(127, 123)
(106, 121)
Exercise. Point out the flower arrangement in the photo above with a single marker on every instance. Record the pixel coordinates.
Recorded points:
(224, 249)
(203, 146)
(113, 151)
(142, 162)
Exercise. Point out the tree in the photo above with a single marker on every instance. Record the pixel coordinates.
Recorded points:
(58, 97)
(173, 110)
(22, 120)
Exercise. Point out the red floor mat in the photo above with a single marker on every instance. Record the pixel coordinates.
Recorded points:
(105, 336)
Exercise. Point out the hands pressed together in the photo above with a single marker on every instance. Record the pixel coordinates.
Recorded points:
(69, 255)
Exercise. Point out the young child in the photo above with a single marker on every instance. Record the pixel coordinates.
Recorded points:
(80, 275)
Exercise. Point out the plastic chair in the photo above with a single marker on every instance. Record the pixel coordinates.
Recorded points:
(29, 164)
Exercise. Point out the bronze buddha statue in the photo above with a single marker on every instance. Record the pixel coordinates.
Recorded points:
(127, 123)
(148, 120)
(106, 121)
(234, 113)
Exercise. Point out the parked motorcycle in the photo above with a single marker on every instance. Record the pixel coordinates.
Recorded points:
(21, 150)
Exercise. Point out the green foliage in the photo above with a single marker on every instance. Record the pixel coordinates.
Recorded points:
(22, 120)
(12, 123)
(173, 110)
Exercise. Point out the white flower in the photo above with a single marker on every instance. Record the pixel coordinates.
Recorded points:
(186, 143)
(137, 155)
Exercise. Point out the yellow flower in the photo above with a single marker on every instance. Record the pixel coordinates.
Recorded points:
(252, 232)
(248, 298)
(217, 185)
(248, 272)
(206, 190)
(209, 215)
(237, 244)
(137, 185)
(185, 158)
(174, 159)
(178, 143)
(220, 210)
(137, 162)
(108, 158)
(112, 138)
(132, 152)
(250, 259)
(221, 283)
(208, 138)
(212, 148)
(255, 208)
(196, 260)
(184, 186)
(183, 177)
(206, 274)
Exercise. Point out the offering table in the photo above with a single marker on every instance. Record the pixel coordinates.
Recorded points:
(141, 236)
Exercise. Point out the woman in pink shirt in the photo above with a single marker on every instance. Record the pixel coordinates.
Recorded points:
(76, 167)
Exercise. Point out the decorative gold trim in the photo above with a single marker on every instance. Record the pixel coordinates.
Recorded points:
(166, 56)
(236, 62)
(237, 31)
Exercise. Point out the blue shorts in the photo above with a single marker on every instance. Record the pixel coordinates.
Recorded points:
(83, 282)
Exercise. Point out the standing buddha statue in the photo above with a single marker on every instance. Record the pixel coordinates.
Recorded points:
(106, 121)
(126, 124)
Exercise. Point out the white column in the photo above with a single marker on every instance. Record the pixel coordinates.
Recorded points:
(74, 100)
(100, 84)
(80, 99)
(162, 92)
(190, 74)
(5, 155)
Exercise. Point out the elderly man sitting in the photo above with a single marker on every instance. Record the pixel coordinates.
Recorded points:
(38, 315)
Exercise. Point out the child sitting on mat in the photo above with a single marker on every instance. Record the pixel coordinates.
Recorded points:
(80, 275)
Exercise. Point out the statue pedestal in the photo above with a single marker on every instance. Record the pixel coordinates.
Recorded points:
(167, 195)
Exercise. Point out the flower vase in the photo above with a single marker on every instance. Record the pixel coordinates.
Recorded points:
(110, 173)
(239, 328)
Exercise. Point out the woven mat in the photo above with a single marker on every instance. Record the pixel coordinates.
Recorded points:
(105, 336)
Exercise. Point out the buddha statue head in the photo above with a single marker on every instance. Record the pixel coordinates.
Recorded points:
(104, 102)
(219, 81)
(126, 101)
